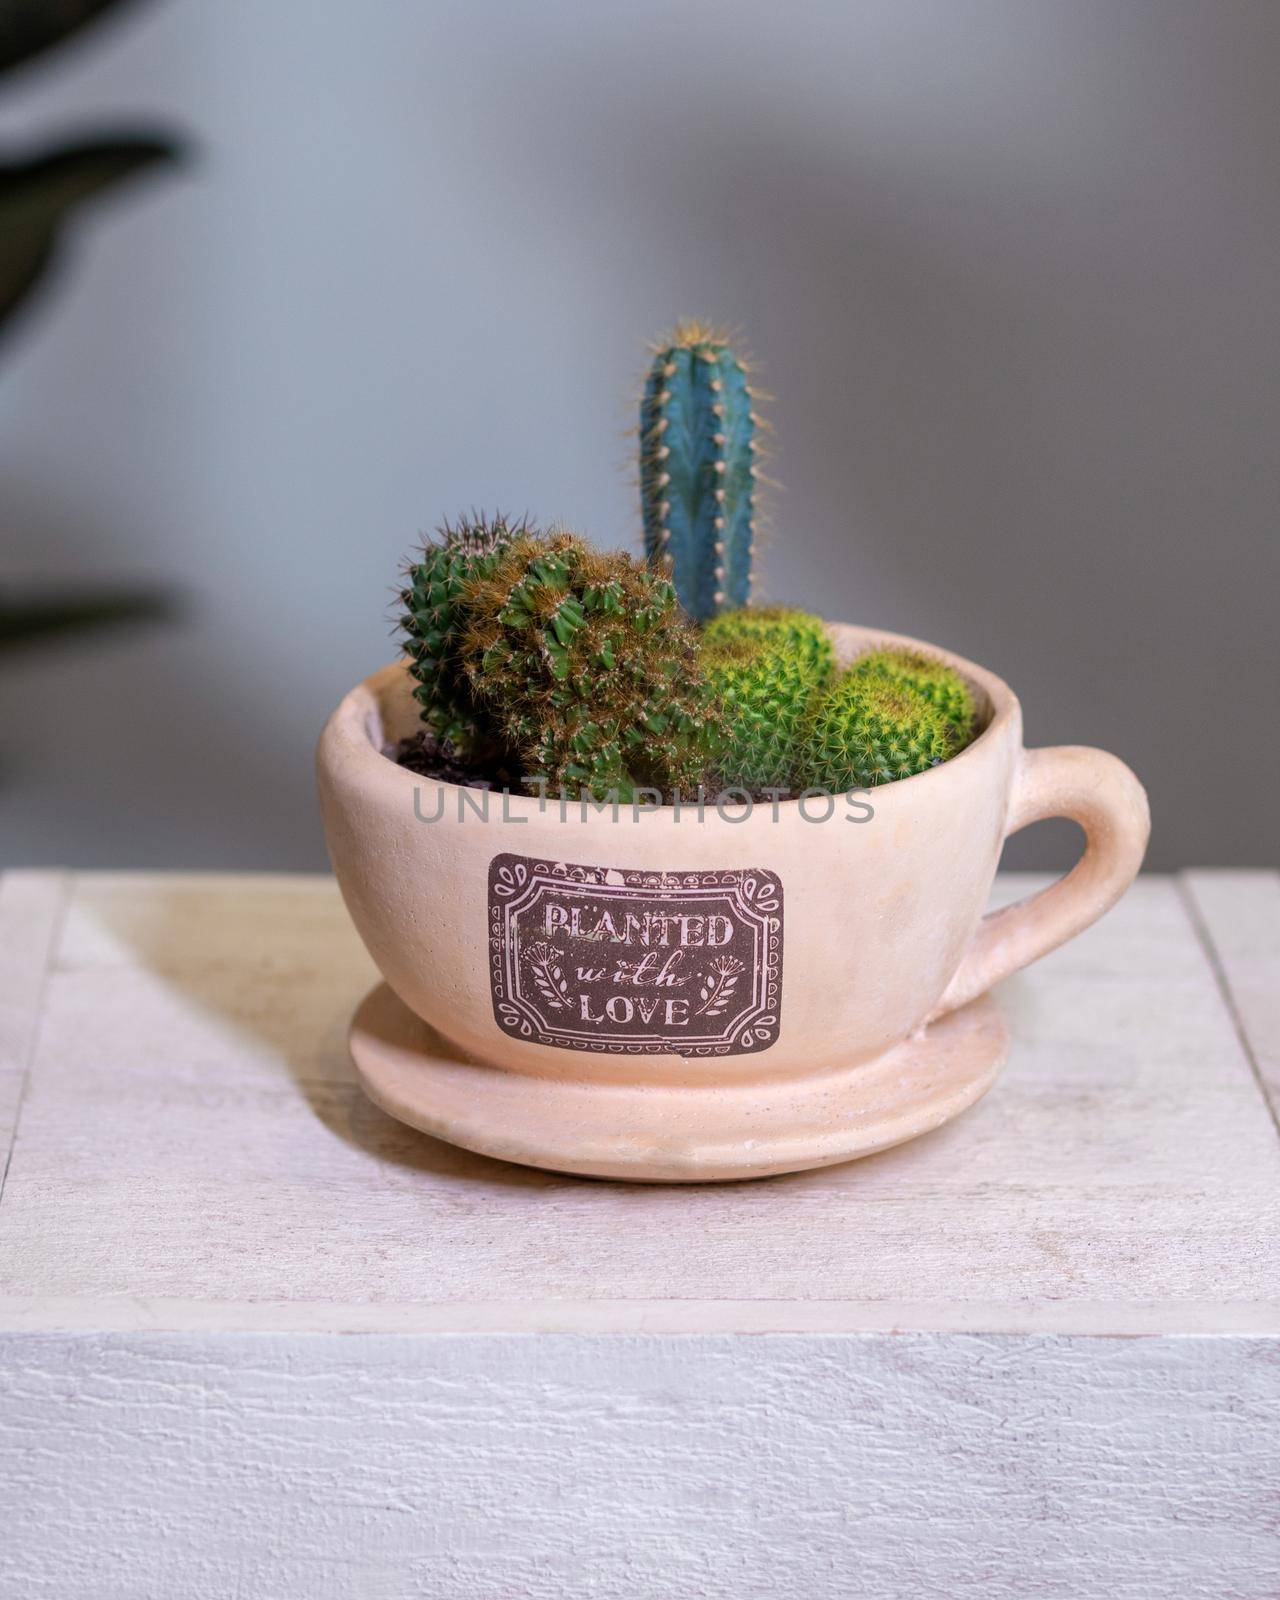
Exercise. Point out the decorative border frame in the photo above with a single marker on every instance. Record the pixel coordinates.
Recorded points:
(516, 882)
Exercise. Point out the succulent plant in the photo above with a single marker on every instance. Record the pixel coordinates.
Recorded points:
(698, 469)
(801, 634)
(41, 197)
(930, 676)
(866, 731)
(763, 688)
(587, 666)
(432, 597)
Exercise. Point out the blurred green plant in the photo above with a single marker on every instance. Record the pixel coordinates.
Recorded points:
(39, 194)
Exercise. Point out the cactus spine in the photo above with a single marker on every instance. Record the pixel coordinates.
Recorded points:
(431, 624)
(587, 666)
(798, 632)
(940, 684)
(763, 688)
(698, 469)
(868, 731)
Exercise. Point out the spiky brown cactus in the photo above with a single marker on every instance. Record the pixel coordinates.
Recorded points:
(587, 667)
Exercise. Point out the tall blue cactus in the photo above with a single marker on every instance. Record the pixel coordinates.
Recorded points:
(698, 469)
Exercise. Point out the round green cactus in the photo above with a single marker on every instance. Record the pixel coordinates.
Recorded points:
(803, 635)
(587, 666)
(763, 688)
(866, 731)
(929, 676)
(431, 624)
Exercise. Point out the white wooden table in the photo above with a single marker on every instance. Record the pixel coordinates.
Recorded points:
(257, 1340)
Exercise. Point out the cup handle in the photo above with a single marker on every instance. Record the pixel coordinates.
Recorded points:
(1100, 793)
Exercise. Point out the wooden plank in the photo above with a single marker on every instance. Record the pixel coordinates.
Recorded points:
(1120, 1319)
(31, 910)
(1239, 915)
(914, 1468)
(208, 977)
(196, 1170)
(193, 1136)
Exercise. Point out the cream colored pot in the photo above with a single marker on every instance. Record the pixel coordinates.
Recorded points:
(668, 947)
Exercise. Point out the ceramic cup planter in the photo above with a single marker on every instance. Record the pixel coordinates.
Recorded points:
(668, 995)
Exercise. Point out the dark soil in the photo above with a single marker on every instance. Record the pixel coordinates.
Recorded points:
(424, 754)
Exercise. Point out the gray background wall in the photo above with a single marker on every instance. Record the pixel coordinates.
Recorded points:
(1009, 268)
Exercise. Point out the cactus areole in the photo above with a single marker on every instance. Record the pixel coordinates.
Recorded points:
(698, 469)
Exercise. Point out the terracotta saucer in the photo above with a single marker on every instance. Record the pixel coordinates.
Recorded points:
(661, 1134)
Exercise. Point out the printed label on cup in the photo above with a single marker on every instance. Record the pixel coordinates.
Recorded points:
(601, 958)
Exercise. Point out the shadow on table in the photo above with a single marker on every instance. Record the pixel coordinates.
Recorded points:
(278, 988)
